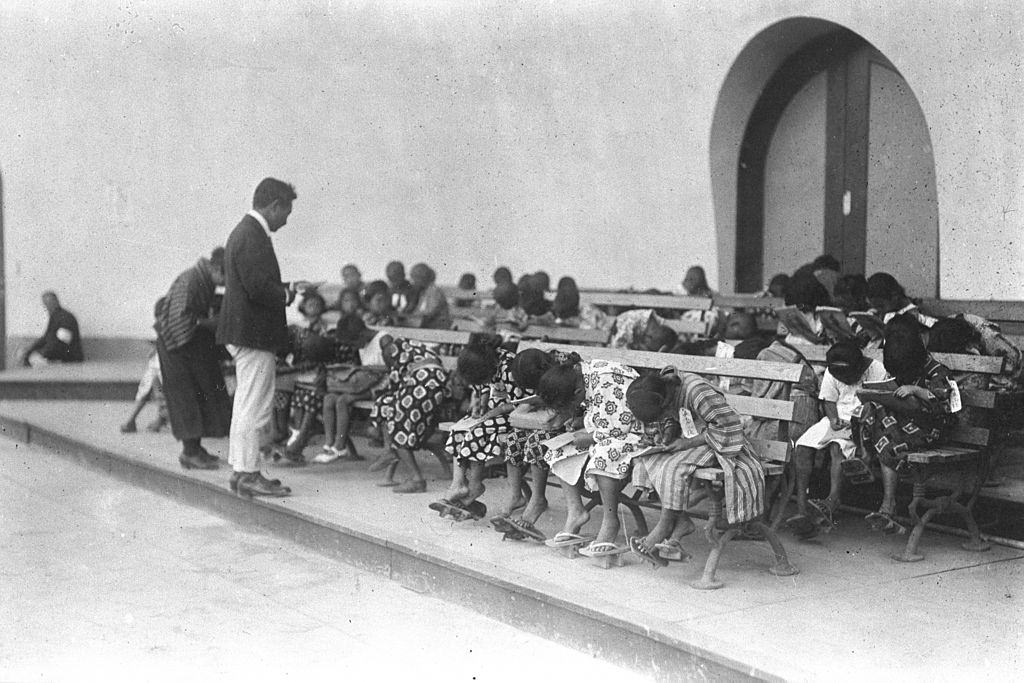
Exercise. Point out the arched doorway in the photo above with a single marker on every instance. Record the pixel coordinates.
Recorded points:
(833, 156)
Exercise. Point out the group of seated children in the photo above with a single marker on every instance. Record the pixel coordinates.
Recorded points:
(614, 426)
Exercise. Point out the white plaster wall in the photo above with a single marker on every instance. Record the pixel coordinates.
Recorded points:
(570, 136)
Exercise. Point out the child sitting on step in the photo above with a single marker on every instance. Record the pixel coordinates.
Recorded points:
(847, 370)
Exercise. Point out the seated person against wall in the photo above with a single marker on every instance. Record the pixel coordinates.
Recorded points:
(60, 343)
(502, 274)
(403, 294)
(467, 285)
(505, 315)
(806, 293)
(777, 286)
(847, 370)
(379, 312)
(695, 283)
(351, 278)
(826, 268)
(432, 306)
(888, 299)
(532, 297)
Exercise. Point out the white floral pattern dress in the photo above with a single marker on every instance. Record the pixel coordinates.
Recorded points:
(606, 417)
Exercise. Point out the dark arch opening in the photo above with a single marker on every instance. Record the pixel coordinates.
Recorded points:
(794, 73)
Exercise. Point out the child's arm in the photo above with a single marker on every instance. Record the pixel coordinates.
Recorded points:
(832, 413)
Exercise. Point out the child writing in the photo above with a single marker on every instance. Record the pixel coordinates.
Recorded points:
(846, 371)
(919, 416)
(486, 368)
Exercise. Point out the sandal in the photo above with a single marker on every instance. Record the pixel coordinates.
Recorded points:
(884, 522)
(639, 546)
(824, 512)
(672, 550)
(527, 529)
(802, 527)
(603, 549)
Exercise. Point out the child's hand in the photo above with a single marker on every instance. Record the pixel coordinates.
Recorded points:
(583, 440)
(839, 425)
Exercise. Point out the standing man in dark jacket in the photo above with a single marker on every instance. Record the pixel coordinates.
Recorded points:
(252, 326)
(197, 401)
(61, 342)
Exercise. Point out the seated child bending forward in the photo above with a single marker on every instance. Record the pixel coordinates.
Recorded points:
(709, 434)
(487, 369)
(846, 371)
(919, 417)
(603, 451)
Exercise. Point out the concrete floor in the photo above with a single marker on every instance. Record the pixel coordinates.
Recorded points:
(852, 612)
(104, 581)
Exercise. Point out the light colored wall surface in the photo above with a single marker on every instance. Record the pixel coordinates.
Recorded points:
(572, 136)
(902, 216)
(794, 193)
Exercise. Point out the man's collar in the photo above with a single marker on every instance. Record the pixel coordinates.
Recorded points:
(262, 221)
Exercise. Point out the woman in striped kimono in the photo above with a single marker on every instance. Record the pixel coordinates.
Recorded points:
(711, 435)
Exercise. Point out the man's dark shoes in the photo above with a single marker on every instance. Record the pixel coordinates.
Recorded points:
(195, 461)
(251, 484)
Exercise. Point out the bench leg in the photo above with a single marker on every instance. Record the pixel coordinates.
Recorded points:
(718, 540)
(782, 566)
(936, 506)
(638, 515)
(974, 543)
(784, 491)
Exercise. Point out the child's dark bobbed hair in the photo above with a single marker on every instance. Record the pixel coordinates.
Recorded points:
(646, 396)
(806, 291)
(904, 354)
(529, 366)
(506, 295)
(478, 361)
(557, 386)
(884, 286)
(952, 335)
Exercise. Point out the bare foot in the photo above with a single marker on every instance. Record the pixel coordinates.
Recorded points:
(573, 523)
(514, 504)
(684, 527)
(457, 491)
(533, 511)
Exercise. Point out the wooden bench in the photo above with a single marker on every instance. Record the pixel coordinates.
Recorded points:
(1009, 315)
(630, 300)
(775, 453)
(942, 476)
(570, 335)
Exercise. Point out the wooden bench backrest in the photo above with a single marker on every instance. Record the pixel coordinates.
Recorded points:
(698, 327)
(636, 300)
(958, 362)
(477, 297)
(747, 301)
(990, 365)
(745, 405)
(556, 333)
(726, 367)
(1009, 315)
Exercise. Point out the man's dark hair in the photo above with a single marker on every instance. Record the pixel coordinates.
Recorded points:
(270, 190)
(217, 257)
